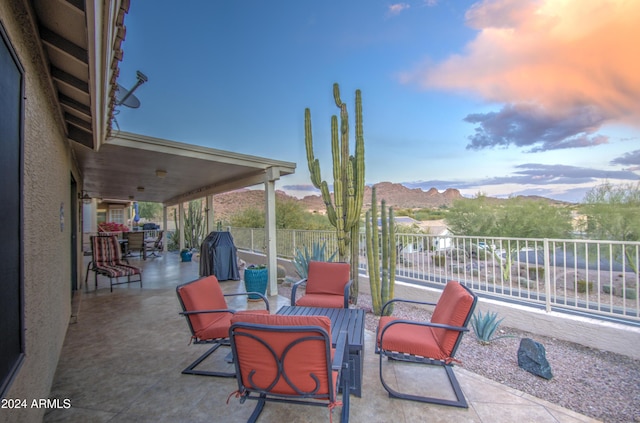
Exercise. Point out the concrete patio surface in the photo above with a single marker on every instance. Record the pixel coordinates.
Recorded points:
(124, 352)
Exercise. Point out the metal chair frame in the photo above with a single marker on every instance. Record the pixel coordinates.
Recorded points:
(339, 363)
(217, 342)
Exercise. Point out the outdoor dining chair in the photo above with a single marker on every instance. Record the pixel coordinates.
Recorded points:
(289, 359)
(327, 285)
(106, 259)
(135, 242)
(431, 343)
(205, 308)
(154, 245)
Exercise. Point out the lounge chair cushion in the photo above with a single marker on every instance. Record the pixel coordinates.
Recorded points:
(257, 363)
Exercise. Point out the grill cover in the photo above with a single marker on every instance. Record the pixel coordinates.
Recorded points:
(218, 257)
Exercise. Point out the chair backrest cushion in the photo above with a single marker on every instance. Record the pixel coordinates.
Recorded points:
(327, 277)
(136, 240)
(203, 294)
(453, 308)
(106, 249)
(258, 353)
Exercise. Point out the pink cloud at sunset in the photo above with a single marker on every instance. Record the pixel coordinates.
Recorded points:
(564, 68)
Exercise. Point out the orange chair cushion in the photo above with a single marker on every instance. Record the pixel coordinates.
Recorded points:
(410, 339)
(206, 294)
(258, 366)
(452, 309)
(321, 300)
(327, 278)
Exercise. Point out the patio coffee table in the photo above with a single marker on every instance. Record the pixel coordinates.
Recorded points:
(351, 320)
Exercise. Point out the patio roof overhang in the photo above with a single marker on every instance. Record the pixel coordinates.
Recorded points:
(80, 45)
(142, 168)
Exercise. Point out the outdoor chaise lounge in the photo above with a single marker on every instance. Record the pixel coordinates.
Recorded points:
(106, 259)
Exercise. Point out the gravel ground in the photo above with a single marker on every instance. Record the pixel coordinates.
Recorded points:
(598, 384)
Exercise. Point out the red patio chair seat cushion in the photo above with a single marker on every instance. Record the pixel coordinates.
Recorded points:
(307, 358)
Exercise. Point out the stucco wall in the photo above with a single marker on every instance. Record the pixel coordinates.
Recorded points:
(47, 250)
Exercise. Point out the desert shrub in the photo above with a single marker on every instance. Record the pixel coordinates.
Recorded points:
(582, 285)
(440, 260)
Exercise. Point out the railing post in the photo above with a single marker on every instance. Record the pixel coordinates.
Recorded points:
(547, 275)
(252, 249)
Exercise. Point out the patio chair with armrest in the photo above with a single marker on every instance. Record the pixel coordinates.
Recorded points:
(289, 359)
(208, 317)
(327, 285)
(154, 245)
(106, 260)
(431, 343)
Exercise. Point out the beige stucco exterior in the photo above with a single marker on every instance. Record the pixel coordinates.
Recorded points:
(47, 244)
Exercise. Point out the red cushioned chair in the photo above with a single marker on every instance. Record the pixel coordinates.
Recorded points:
(432, 343)
(289, 359)
(328, 286)
(106, 259)
(209, 318)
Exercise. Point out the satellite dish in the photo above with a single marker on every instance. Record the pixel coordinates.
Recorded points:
(125, 97)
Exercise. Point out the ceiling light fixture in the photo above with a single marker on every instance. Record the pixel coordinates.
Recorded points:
(161, 173)
(140, 189)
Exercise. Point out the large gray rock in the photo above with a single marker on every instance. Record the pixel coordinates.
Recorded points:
(532, 358)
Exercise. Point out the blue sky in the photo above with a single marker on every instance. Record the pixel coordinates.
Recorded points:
(503, 97)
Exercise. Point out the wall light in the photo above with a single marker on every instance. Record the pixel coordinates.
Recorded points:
(84, 196)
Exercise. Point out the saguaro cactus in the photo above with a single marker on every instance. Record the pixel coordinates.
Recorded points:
(348, 182)
(382, 267)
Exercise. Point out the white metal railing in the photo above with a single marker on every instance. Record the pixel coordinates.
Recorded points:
(584, 276)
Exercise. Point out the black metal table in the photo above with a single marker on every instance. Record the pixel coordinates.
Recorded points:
(351, 320)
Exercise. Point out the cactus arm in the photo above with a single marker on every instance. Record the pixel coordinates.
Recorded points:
(392, 256)
(384, 282)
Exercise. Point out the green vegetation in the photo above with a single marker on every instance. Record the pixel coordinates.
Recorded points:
(289, 215)
(303, 257)
(382, 264)
(613, 213)
(348, 182)
(516, 217)
(150, 211)
(485, 326)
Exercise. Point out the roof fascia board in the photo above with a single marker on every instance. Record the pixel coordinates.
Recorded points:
(125, 139)
(218, 188)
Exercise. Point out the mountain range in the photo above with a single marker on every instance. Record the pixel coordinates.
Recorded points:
(396, 195)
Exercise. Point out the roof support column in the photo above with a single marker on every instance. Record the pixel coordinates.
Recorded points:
(180, 212)
(164, 227)
(271, 175)
(209, 214)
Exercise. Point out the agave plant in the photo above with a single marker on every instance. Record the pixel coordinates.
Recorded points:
(303, 257)
(485, 326)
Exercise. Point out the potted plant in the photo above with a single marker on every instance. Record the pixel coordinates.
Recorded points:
(185, 255)
(256, 279)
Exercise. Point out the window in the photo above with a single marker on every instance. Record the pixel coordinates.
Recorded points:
(11, 167)
(116, 215)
